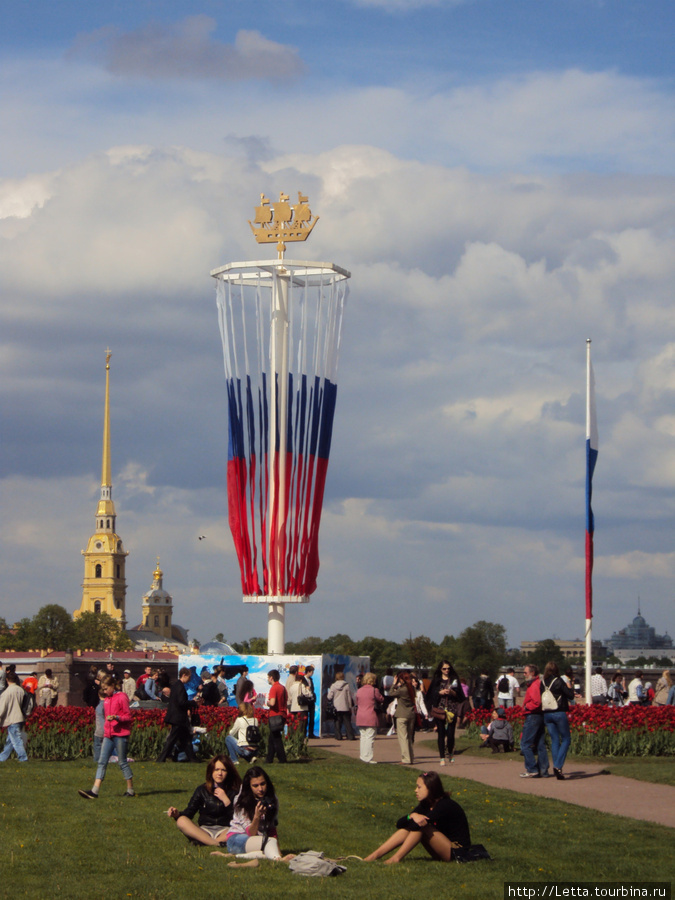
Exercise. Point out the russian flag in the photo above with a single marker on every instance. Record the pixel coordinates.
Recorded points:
(591, 458)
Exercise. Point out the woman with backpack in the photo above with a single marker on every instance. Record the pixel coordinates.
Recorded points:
(214, 801)
(555, 697)
(244, 735)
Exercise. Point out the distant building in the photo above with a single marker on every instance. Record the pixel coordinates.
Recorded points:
(104, 587)
(639, 636)
(156, 630)
(575, 649)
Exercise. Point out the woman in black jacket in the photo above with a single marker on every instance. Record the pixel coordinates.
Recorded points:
(214, 801)
(445, 692)
(437, 822)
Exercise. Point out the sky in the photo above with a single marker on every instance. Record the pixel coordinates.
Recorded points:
(499, 178)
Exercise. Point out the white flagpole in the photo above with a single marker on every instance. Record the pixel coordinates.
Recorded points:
(591, 454)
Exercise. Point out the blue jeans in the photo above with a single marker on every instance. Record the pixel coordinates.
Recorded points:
(558, 726)
(14, 741)
(236, 751)
(533, 744)
(237, 843)
(119, 745)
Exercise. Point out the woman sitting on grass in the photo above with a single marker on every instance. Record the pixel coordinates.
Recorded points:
(237, 740)
(214, 801)
(437, 822)
(252, 834)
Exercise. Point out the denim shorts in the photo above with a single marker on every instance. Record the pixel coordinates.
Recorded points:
(236, 843)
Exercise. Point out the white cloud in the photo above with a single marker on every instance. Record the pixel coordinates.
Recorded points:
(456, 477)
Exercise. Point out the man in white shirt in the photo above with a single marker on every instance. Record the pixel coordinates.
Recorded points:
(598, 687)
(507, 688)
(636, 691)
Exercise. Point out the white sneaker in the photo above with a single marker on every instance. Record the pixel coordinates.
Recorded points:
(443, 762)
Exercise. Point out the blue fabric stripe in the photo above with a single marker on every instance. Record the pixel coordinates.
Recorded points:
(591, 458)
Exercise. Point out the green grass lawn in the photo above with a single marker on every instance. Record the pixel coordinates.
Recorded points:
(55, 844)
(657, 769)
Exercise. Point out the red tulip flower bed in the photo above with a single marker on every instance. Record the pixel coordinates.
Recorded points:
(605, 730)
(67, 732)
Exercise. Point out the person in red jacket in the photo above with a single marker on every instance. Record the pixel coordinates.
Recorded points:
(115, 737)
(277, 701)
(533, 735)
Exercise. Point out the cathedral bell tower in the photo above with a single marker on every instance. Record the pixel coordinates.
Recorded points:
(104, 588)
(158, 607)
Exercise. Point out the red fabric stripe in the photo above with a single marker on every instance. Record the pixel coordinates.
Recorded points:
(589, 576)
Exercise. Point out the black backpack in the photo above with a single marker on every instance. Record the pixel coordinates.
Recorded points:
(253, 736)
(504, 685)
(27, 703)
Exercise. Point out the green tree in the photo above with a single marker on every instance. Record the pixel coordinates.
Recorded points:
(420, 651)
(308, 646)
(24, 638)
(52, 627)
(383, 654)
(6, 638)
(447, 649)
(481, 648)
(340, 644)
(547, 651)
(258, 646)
(99, 631)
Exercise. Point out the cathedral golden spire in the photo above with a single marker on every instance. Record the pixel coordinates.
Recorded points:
(106, 507)
(104, 587)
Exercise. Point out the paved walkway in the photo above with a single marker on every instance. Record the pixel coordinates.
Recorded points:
(584, 785)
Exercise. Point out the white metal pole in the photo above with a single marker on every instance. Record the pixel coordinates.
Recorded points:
(276, 637)
(589, 621)
(278, 422)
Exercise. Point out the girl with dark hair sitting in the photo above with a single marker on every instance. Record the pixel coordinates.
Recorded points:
(437, 822)
(252, 834)
(214, 801)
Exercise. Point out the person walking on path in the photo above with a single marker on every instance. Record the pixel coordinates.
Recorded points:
(178, 718)
(12, 718)
(404, 694)
(444, 696)
(533, 735)
(340, 694)
(555, 717)
(367, 697)
(116, 736)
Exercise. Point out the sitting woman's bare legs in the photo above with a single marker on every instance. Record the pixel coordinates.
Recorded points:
(397, 838)
(435, 843)
(189, 829)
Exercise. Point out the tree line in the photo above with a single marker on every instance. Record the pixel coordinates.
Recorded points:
(53, 628)
(481, 648)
